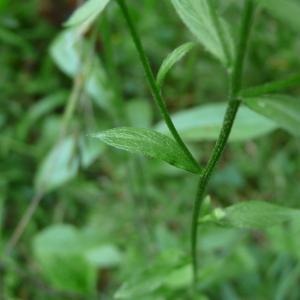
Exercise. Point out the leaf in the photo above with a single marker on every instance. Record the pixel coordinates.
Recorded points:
(212, 31)
(89, 151)
(171, 60)
(180, 278)
(139, 288)
(62, 162)
(253, 214)
(104, 256)
(59, 166)
(86, 13)
(205, 122)
(57, 250)
(149, 143)
(284, 110)
(287, 11)
(168, 272)
(70, 259)
(66, 51)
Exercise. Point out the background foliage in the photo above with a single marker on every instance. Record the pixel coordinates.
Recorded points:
(109, 224)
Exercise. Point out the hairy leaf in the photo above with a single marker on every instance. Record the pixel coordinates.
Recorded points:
(205, 122)
(201, 17)
(171, 60)
(284, 110)
(149, 143)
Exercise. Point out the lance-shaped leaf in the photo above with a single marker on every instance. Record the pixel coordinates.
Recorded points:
(171, 60)
(201, 17)
(149, 143)
(252, 215)
(284, 110)
(87, 13)
(287, 11)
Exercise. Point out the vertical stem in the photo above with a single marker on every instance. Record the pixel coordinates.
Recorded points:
(151, 79)
(233, 105)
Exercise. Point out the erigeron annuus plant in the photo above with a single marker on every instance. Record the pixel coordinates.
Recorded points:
(211, 29)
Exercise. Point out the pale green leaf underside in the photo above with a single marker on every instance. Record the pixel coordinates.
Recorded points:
(61, 164)
(283, 110)
(288, 11)
(58, 167)
(198, 17)
(66, 51)
(69, 258)
(257, 215)
(149, 143)
(171, 60)
(205, 122)
(87, 13)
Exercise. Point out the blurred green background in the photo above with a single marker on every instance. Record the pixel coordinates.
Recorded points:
(103, 217)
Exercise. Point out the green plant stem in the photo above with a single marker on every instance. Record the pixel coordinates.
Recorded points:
(233, 105)
(151, 79)
(272, 87)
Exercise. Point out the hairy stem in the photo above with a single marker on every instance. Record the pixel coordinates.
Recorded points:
(233, 105)
(151, 79)
(272, 87)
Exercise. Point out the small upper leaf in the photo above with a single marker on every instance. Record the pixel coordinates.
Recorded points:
(284, 110)
(213, 32)
(149, 143)
(87, 13)
(171, 60)
(205, 122)
(253, 214)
